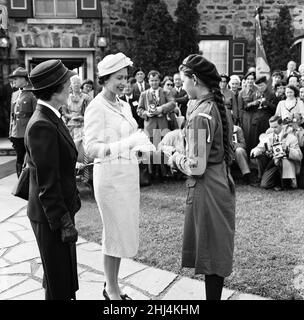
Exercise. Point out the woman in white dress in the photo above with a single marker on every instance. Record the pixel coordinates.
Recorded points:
(293, 104)
(110, 134)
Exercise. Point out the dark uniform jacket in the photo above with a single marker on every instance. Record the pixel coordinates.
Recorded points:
(23, 104)
(51, 157)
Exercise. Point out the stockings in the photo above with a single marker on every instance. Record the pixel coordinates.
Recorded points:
(214, 285)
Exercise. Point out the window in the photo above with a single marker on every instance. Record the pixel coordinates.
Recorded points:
(88, 5)
(19, 4)
(238, 66)
(55, 8)
(217, 51)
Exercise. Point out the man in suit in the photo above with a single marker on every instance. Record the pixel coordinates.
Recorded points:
(23, 104)
(240, 154)
(279, 156)
(128, 96)
(140, 85)
(291, 68)
(53, 194)
(179, 94)
(154, 106)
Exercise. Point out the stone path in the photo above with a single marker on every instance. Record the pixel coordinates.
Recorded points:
(21, 270)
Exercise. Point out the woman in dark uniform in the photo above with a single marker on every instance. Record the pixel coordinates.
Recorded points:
(247, 109)
(208, 240)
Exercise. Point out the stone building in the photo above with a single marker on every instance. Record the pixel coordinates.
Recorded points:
(80, 32)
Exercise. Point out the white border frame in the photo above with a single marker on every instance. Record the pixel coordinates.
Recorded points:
(83, 8)
(233, 64)
(55, 16)
(19, 8)
(55, 53)
(238, 43)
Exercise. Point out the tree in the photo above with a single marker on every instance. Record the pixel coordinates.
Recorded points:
(187, 28)
(278, 39)
(155, 40)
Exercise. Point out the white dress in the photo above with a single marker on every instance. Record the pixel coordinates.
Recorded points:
(115, 176)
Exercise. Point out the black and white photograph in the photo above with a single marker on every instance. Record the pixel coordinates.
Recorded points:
(151, 151)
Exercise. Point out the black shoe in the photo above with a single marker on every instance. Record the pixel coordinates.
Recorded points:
(246, 178)
(106, 296)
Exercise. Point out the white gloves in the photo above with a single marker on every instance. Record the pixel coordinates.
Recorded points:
(137, 139)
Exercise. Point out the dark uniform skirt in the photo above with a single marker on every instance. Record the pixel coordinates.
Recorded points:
(59, 263)
(209, 227)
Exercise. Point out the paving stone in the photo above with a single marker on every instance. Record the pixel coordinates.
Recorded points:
(9, 203)
(9, 226)
(9, 281)
(3, 263)
(227, 294)
(24, 267)
(34, 295)
(92, 276)
(186, 289)
(89, 291)
(25, 287)
(2, 251)
(134, 294)
(128, 267)
(7, 240)
(26, 235)
(22, 221)
(152, 280)
(93, 259)
(90, 246)
(81, 240)
(245, 296)
(39, 272)
(23, 252)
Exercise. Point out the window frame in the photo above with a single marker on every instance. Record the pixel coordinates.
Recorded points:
(55, 16)
(229, 47)
(84, 8)
(19, 8)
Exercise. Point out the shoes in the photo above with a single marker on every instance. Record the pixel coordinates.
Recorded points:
(277, 188)
(246, 178)
(106, 296)
(255, 184)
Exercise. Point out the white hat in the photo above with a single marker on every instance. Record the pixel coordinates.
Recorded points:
(112, 63)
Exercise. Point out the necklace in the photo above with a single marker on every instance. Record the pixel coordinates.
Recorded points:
(117, 104)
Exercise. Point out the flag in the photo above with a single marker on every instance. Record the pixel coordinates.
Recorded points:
(262, 67)
(3, 17)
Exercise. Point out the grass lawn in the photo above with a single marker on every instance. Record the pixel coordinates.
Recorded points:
(269, 241)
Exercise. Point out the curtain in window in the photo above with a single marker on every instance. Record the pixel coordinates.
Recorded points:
(216, 51)
(66, 8)
(44, 8)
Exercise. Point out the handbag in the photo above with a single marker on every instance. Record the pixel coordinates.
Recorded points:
(21, 189)
(144, 175)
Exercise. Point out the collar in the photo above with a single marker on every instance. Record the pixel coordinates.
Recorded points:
(50, 107)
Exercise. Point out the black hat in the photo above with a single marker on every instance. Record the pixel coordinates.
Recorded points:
(251, 73)
(48, 74)
(19, 72)
(202, 68)
(278, 73)
(136, 70)
(262, 79)
(225, 76)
